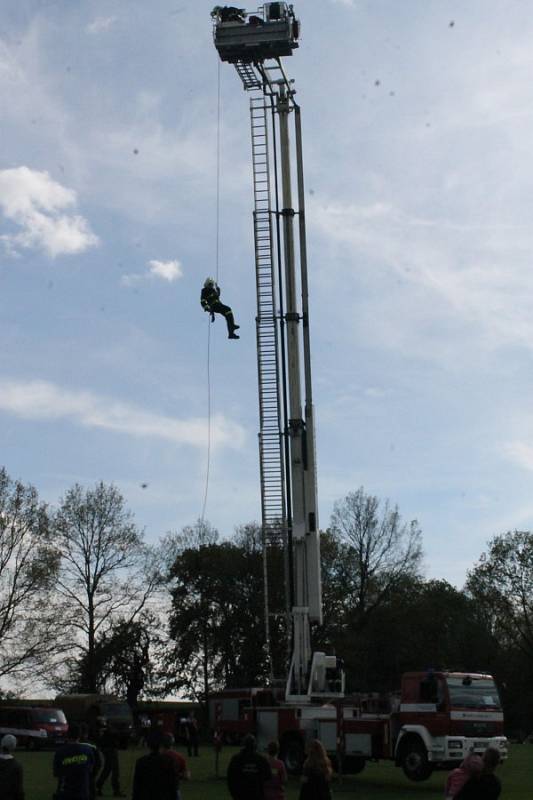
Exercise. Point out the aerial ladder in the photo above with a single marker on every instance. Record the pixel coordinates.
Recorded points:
(255, 43)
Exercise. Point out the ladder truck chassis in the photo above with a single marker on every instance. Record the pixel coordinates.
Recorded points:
(432, 723)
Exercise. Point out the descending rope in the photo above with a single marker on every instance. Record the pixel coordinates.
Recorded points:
(217, 261)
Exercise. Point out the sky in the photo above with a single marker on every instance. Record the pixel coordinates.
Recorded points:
(418, 124)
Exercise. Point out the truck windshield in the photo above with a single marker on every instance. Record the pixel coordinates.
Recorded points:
(478, 693)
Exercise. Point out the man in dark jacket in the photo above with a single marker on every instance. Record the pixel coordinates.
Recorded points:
(11, 785)
(155, 777)
(210, 300)
(248, 772)
(73, 767)
(108, 742)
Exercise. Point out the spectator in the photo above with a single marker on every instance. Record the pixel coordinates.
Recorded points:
(145, 723)
(248, 772)
(275, 787)
(11, 779)
(177, 760)
(108, 742)
(487, 785)
(74, 768)
(154, 777)
(191, 728)
(316, 773)
(85, 738)
(155, 735)
(470, 767)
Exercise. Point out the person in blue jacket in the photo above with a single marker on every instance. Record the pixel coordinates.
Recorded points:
(73, 767)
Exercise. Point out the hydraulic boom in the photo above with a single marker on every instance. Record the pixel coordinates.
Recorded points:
(255, 43)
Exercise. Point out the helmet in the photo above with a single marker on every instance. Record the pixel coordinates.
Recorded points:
(209, 282)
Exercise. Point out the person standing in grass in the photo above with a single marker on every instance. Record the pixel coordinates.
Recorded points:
(11, 779)
(176, 759)
(73, 767)
(109, 742)
(275, 787)
(248, 772)
(485, 786)
(471, 767)
(316, 773)
(154, 777)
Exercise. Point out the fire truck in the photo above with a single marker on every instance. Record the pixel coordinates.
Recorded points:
(437, 717)
(431, 723)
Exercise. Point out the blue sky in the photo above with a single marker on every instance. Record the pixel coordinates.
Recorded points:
(417, 137)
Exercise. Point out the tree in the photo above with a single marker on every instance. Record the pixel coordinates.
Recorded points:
(27, 568)
(216, 623)
(106, 572)
(502, 585)
(124, 658)
(379, 551)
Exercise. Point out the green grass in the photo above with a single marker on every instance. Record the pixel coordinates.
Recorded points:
(381, 781)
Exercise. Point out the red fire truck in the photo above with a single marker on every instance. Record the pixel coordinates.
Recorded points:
(433, 722)
(437, 717)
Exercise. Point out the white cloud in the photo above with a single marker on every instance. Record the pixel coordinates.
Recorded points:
(100, 24)
(37, 204)
(167, 270)
(463, 273)
(521, 454)
(42, 400)
(132, 279)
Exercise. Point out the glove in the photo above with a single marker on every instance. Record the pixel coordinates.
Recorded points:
(212, 316)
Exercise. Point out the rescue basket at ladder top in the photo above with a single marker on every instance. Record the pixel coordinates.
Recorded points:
(272, 32)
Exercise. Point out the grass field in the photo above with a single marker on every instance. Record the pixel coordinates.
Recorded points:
(381, 781)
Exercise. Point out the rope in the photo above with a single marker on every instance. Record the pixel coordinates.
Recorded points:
(217, 263)
(217, 259)
(208, 417)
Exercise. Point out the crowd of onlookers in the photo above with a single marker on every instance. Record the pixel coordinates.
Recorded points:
(254, 777)
(82, 768)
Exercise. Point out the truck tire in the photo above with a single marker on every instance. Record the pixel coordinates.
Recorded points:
(293, 754)
(414, 760)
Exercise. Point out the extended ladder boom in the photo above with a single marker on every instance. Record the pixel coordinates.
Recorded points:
(254, 44)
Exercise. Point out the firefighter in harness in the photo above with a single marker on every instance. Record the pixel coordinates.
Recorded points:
(210, 300)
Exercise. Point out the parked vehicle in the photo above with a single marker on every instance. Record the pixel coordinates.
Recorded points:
(432, 723)
(34, 727)
(97, 710)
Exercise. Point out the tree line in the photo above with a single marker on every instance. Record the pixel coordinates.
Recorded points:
(86, 605)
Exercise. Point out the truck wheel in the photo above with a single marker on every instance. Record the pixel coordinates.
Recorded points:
(414, 761)
(293, 755)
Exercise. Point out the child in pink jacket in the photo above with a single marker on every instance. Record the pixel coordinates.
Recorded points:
(470, 767)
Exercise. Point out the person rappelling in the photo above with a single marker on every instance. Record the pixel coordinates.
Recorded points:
(210, 300)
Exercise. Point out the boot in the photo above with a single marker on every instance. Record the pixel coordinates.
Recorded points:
(233, 335)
